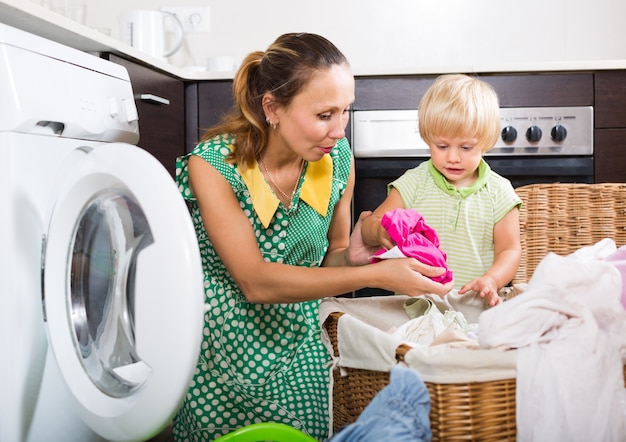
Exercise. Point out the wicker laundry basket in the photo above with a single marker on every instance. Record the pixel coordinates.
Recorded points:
(562, 218)
(558, 218)
(459, 411)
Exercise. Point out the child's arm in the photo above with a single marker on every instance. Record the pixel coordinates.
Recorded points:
(507, 255)
(373, 233)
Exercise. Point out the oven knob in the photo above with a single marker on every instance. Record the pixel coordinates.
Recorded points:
(533, 134)
(509, 134)
(558, 133)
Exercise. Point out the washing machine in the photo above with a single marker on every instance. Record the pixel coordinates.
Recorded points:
(101, 292)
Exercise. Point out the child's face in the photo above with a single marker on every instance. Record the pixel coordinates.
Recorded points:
(457, 158)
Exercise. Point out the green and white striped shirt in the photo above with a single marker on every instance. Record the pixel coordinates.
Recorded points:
(464, 218)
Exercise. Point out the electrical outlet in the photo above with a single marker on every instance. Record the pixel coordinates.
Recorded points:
(193, 18)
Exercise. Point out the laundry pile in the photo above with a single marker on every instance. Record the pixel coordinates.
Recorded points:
(569, 329)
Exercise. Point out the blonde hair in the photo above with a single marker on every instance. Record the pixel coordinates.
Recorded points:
(283, 70)
(460, 105)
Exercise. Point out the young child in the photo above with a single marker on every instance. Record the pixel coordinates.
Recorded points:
(474, 211)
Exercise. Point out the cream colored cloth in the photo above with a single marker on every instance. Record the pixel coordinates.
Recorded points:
(364, 340)
(570, 331)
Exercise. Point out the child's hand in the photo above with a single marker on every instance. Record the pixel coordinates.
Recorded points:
(384, 238)
(486, 288)
(374, 234)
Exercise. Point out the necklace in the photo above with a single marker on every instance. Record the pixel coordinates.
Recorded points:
(295, 187)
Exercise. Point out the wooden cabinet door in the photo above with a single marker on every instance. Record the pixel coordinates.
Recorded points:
(610, 126)
(214, 100)
(610, 106)
(160, 101)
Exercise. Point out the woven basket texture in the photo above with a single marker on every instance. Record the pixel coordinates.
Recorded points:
(562, 218)
(559, 218)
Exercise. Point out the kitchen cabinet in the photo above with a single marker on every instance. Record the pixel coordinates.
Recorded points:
(160, 101)
(206, 103)
(610, 126)
(514, 90)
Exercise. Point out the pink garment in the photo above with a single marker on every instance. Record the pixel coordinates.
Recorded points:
(415, 239)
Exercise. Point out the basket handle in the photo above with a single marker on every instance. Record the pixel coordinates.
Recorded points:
(401, 351)
(330, 324)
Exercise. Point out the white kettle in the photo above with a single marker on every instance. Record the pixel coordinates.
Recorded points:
(144, 29)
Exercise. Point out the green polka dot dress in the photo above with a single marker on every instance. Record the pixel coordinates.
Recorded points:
(260, 362)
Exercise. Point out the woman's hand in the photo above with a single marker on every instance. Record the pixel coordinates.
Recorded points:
(359, 253)
(409, 276)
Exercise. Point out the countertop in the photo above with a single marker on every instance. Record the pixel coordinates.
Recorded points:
(38, 20)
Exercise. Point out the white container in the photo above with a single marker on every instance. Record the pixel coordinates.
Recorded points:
(144, 29)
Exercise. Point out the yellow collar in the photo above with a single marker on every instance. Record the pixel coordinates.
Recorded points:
(315, 190)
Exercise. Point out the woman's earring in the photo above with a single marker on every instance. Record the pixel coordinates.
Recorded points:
(268, 121)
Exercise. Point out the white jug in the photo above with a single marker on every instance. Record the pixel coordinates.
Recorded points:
(144, 29)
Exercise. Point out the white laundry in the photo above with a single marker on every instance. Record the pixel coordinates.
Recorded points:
(570, 331)
(425, 329)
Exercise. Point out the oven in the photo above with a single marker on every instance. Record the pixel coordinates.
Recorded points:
(537, 145)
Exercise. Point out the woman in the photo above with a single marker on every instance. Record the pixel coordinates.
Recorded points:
(270, 190)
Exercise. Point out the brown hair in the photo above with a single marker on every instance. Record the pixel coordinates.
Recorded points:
(283, 70)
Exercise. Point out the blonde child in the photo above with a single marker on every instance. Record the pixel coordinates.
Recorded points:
(474, 211)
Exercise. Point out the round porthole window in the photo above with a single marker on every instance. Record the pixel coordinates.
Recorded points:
(111, 231)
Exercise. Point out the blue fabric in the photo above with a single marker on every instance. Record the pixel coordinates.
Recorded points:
(399, 412)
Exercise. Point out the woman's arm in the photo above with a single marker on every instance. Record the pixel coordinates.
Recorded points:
(345, 249)
(264, 282)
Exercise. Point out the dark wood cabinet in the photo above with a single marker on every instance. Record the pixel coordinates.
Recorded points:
(160, 101)
(610, 105)
(514, 90)
(610, 126)
(207, 103)
(610, 155)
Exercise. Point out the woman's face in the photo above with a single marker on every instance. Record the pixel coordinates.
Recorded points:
(317, 117)
(457, 158)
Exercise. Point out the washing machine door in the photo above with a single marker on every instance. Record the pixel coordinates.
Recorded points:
(123, 290)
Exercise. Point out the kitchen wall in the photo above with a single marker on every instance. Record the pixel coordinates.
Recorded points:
(404, 36)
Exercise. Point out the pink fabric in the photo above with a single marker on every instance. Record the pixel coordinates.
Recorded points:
(415, 239)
